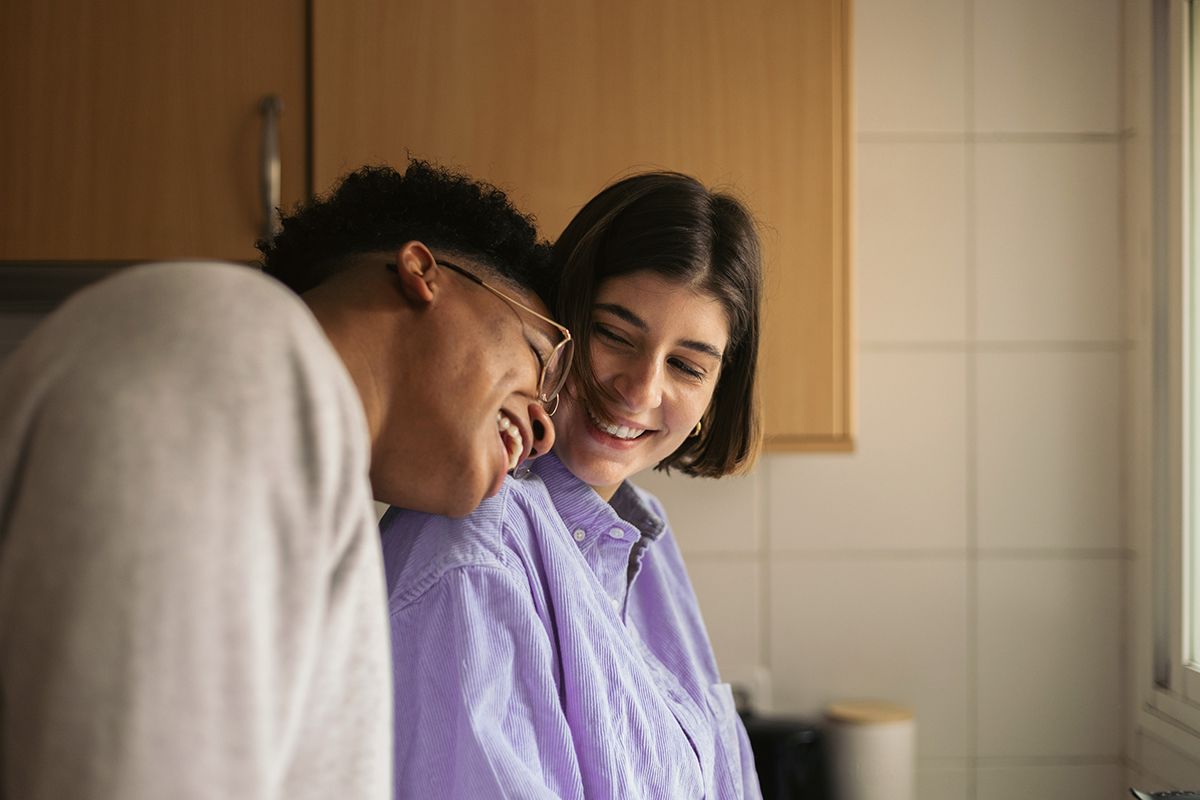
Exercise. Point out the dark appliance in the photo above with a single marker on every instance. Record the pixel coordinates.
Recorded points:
(789, 754)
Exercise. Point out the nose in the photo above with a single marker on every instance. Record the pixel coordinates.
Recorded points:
(639, 384)
(542, 430)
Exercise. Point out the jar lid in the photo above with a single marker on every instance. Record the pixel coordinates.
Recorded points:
(867, 712)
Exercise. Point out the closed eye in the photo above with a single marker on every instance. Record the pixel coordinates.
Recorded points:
(687, 369)
(541, 359)
(607, 333)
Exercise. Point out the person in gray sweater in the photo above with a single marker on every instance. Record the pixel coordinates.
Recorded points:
(191, 592)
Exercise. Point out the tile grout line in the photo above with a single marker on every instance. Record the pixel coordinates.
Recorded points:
(972, 427)
(1011, 137)
(929, 554)
(1002, 762)
(1046, 346)
(1125, 628)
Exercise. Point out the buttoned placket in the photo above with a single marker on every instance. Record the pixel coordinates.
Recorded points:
(690, 716)
(606, 546)
(591, 530)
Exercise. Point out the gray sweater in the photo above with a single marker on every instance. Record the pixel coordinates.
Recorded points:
(191, 594)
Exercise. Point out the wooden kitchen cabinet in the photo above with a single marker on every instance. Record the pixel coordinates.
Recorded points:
(131, 130)
(553, 100)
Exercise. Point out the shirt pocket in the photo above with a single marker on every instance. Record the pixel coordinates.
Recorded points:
(728, 756)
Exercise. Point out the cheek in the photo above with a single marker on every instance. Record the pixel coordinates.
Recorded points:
(602, 362)
(573, 394)
(570, 408)
(694, 405)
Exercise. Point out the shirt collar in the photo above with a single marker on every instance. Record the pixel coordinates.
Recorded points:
(631, 505)
(579, 505)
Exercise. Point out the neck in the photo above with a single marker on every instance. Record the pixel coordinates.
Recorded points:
(606, 492)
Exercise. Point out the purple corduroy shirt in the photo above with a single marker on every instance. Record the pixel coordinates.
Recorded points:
(550, 645)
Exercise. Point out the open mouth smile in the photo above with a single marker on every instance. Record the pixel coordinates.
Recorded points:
(511, 439)
(623, 432)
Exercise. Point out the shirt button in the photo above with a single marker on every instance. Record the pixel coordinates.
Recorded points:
(579, 534)
(617, 533)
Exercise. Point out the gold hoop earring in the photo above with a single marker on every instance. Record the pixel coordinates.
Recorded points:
(696, 430)
(550, 411)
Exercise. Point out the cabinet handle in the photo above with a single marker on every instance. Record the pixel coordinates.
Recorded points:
(271, 107)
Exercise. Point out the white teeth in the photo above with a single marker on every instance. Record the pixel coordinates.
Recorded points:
(510, 434)
(619, 431)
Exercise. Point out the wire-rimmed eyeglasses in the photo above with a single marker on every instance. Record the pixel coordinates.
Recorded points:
(555, 365)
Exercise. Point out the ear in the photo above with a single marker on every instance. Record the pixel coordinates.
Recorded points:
(418, 272)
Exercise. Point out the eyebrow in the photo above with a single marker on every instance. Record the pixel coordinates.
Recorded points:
(633, 319)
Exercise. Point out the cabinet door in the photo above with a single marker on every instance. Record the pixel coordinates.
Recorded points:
(553, 100)
(132, 130)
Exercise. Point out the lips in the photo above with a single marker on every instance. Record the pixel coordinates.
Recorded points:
(623, 431)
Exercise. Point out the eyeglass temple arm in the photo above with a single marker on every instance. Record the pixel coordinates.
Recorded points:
(393, 267)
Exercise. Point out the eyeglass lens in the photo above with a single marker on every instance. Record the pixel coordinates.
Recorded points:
(555, 373)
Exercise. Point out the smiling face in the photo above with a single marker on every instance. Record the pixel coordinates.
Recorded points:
(656, 349)
(470, 410)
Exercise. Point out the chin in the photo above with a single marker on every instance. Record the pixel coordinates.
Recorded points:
(458, 503)
(458, 512)
(464, 498)
(449, 501)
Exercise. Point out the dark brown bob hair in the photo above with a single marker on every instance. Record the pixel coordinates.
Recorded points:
(671, 225)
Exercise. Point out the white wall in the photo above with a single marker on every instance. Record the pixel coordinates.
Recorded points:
(969, 557)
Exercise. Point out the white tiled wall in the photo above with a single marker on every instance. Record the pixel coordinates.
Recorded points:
(918, 258)
(969, 558)
(1047, 240)
(1042, 66)
(1051, 781)
(1047, 449)
(874, 626)
(910, 56)
(1048, 670)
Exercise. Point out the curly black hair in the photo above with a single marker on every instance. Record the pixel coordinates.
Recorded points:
(375, 208)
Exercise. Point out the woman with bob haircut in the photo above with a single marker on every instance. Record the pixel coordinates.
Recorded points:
(550, 644)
